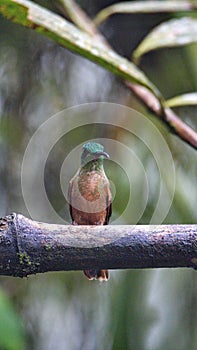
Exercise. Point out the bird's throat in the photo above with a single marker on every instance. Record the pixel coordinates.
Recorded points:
(93, 165)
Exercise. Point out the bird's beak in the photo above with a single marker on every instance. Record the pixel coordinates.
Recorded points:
(104, 154)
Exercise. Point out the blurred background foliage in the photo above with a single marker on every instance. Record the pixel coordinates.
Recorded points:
(149, 309)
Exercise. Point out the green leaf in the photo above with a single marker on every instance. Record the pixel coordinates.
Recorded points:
(64, 33)
(11, 331)
(182, 100)
(144, 7)
(176, 32)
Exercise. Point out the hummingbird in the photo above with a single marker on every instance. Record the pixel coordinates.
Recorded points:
(89, 195)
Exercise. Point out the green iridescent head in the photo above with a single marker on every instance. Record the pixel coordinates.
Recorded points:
(92, 151)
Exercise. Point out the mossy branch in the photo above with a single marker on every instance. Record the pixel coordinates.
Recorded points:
(28, 247)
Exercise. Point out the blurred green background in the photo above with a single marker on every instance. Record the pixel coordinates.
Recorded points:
(138, 310)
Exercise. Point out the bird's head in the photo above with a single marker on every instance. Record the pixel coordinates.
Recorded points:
(92, 151)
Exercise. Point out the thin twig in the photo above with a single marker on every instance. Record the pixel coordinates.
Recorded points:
(145, 96)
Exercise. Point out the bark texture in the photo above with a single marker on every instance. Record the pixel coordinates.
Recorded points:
(29, 247)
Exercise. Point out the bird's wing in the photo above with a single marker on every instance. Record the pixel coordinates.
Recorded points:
(70, 198)
(108, 206)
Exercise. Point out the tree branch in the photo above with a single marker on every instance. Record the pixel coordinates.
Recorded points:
(165, 114)
(28, 247)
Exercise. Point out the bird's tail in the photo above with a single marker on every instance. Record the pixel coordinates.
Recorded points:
(101, 275)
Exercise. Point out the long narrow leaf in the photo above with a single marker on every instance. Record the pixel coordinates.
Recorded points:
(64, 33)
(176, 32)
(144, 7)
(182, 100)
